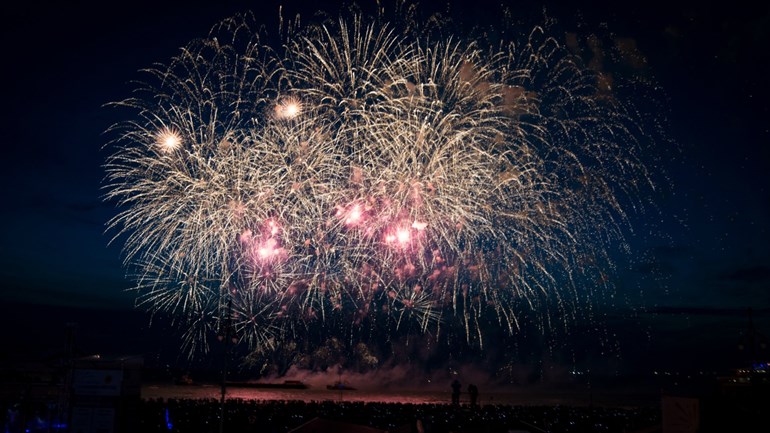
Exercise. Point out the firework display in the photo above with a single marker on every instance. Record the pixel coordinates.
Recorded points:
(370, 175)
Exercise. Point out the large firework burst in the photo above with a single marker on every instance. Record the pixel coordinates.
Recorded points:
(370, 175)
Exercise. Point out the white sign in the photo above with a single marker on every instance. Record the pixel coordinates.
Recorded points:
(97, 382)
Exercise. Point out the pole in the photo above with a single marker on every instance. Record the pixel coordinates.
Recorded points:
(227, 338)
(752, 340)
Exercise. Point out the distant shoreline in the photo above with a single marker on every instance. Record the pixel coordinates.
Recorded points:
(314, 393)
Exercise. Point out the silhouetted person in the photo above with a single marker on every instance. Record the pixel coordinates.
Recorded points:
(456, 391)
(473, 391)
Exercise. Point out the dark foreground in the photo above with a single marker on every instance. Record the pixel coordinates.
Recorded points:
(176, 415)
(131, 415)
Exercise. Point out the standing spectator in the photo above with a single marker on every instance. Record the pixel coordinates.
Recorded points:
(473, 391)
(456, 387)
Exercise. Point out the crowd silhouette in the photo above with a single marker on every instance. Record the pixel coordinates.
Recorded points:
(194, 416)
(274, 416)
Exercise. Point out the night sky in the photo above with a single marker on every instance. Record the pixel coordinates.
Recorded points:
(699, 263)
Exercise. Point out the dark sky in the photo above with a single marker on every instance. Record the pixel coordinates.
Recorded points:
(707, 263)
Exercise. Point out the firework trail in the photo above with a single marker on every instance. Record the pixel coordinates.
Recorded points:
(369, 175)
